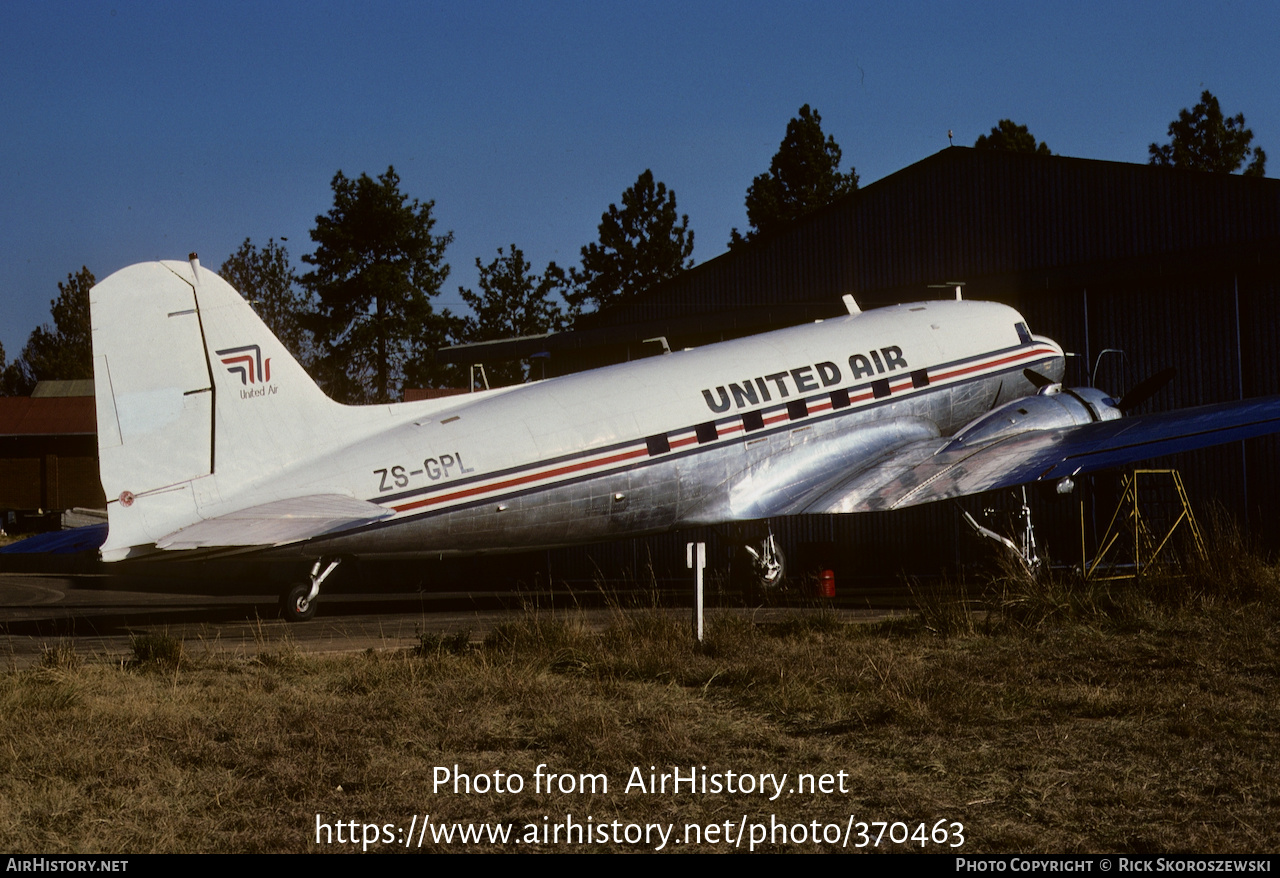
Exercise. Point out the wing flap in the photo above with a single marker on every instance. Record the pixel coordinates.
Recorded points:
(277, 523)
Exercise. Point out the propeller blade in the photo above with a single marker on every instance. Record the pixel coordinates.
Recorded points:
(1145, 389)
(1037, 379)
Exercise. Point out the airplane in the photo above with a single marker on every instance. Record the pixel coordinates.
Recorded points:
(214, 440)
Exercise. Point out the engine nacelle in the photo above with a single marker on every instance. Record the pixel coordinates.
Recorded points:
(1053, 407)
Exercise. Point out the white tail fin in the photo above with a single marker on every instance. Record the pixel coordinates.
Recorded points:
(195, 397)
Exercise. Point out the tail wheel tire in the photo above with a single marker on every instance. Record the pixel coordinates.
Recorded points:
(294, 606)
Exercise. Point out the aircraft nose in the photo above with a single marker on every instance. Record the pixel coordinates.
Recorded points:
(1057, 368)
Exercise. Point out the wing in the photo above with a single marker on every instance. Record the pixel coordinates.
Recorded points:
(931, 470)
(788, 483)
(277, 523)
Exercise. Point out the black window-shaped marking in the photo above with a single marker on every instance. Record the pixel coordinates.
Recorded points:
(797, 409)
(920, 378)
(1024, 334)
(840, 399)
(880, 389)
(752, 421)
(707, 432)
(658, 444)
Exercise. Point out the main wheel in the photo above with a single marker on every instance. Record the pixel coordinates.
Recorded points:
(772, 571)
(294, 606)
(762, 579)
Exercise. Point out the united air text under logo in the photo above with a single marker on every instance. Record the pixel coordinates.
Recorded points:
(247, 362)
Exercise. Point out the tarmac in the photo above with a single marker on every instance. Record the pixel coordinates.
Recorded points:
(98, 615)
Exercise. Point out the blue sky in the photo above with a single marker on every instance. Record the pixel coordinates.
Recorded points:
(136, 131)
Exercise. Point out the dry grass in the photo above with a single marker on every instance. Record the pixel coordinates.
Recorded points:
(1061, 719)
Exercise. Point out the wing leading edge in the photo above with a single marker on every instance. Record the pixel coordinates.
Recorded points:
(939, 469)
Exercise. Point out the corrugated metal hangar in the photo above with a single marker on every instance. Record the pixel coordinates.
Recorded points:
(1132, 268)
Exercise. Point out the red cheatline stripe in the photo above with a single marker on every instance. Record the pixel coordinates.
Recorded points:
(1029, 355)
(523, 480)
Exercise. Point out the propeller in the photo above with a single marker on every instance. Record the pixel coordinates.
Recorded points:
(1037, 380)
(1145, 389)
(1137, 395)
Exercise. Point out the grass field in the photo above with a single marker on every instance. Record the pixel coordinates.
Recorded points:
(1042, 715)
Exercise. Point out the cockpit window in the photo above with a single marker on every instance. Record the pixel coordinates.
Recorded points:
(1024, 334)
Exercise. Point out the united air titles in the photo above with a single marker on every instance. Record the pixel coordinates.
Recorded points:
(802, 379)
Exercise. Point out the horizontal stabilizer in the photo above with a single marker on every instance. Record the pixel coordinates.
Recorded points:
(277, 523)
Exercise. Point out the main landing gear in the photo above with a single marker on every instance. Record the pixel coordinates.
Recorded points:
(298, 604)
(1025, 547)
(765, 568)
(768, 563)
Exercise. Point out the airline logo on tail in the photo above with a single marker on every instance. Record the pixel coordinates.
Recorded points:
(247, 362)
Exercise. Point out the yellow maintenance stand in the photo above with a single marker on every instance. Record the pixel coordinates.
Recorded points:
(1136, 527)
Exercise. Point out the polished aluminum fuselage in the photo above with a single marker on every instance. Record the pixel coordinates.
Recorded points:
(701, 436)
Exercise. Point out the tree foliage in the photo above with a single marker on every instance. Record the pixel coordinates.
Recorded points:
(642, 243)
(803, 176)
(1202, 139)
(377, 266)
(63, 351)
(1011, 137)
(512, 302)
(267, 280)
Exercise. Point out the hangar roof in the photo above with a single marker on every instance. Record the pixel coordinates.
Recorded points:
(999, 221)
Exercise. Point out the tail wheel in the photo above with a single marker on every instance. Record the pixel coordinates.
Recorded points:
(297, 605)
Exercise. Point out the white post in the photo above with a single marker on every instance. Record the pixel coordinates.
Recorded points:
(697, 561)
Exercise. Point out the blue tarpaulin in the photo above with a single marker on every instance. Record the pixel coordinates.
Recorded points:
(63, 542)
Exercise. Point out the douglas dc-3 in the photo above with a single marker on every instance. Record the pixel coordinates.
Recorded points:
(213, 439)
